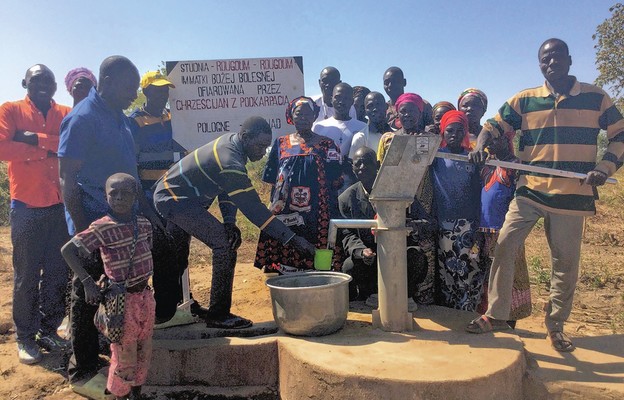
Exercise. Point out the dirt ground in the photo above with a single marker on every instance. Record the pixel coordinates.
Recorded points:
(598, 305)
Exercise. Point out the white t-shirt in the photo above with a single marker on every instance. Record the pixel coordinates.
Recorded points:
(368, 139)
(328, 111)
(341, 132)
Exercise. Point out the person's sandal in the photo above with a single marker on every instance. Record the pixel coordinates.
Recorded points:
(485, 324)
(560, 342)
(93, 388)
(227, 321)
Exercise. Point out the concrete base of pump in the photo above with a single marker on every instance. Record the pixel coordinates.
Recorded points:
(436, 361)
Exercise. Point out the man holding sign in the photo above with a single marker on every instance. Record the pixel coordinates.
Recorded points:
(190, 186)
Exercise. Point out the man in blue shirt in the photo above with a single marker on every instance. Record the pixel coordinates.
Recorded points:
(96, 142)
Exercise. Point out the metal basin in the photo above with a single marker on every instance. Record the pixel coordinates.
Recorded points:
(310, 303)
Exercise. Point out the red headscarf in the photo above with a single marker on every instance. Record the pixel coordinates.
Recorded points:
(453, 116)
(408, 98)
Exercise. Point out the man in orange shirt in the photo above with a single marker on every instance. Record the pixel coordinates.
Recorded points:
(29, 138)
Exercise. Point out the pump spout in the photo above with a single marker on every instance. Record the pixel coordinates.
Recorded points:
(334, 224)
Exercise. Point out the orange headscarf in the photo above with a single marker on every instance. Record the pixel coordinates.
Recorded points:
(451, 117)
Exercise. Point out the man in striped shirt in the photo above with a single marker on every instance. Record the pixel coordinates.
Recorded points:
(560, 122)
(190, 186)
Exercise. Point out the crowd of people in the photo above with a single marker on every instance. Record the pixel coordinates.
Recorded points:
(118, 198)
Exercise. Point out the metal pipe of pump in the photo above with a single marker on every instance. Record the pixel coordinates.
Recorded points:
(392, 314)
(404, 166)
(334, 224)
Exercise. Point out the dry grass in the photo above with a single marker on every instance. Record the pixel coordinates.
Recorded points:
(599, 301)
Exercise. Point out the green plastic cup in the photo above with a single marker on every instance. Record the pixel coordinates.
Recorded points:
(323, 259)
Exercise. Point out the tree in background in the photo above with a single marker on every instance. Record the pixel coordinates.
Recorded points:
(610, 54)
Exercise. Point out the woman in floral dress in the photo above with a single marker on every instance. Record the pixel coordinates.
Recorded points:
(457, 191)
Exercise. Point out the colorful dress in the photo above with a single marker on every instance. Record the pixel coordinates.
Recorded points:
(384, 143)
(499, 185)
(456, 190)
(425, 242)
(305, 179)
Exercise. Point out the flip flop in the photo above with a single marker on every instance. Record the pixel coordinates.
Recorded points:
(560, 342)
(94, 388)
(485, 324)
(228, 321)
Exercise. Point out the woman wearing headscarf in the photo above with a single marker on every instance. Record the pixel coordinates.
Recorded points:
(305, 171)
(78, 82)
(420, 244)
(438, 110)
(409, 107)
(473, 102)
(457, 191)
(498, 187)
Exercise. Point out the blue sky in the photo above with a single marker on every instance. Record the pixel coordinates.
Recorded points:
(443, 47)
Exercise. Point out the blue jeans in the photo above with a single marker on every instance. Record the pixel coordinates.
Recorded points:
(40, 274)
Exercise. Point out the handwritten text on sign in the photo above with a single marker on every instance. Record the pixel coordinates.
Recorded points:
(215, 97)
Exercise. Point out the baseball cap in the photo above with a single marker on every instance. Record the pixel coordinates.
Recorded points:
(155, 78)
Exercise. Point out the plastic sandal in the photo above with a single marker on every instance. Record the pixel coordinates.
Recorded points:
(228, 321)
(485, 324)
(560, 342)
(94, 388)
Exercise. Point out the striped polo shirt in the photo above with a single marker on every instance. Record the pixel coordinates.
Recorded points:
(217, 169)
(561, 132)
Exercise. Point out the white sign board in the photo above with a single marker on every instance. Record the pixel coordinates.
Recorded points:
(215, 97)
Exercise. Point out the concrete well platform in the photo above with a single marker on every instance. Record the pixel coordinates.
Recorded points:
(358, 362)
(437, 361)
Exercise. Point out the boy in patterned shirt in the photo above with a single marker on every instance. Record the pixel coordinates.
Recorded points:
(124, 239)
